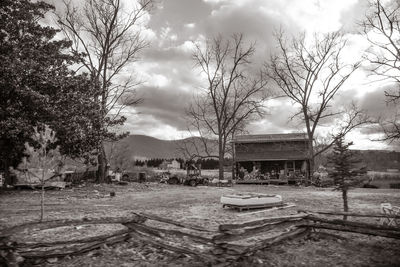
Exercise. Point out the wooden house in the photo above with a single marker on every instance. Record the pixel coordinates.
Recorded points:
(283, 158)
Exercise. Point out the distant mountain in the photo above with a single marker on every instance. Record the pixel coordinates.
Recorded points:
(143, 147)
(379, 160)
(375, 160)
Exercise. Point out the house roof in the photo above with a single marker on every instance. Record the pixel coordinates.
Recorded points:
(262, 138)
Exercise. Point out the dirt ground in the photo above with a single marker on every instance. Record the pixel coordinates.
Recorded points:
(200, 206)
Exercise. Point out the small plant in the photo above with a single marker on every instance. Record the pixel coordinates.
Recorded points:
(42, 157)
(344, 175)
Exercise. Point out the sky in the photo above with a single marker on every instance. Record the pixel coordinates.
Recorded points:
(170, 79)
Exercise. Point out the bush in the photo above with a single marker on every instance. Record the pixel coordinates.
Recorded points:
(370, 186)
(396, 185)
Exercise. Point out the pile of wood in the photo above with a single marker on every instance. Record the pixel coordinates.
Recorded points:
(246, 238)
(228, 243)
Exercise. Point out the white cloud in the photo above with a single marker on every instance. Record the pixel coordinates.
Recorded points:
(158, 80)
(366, 142)
(187, 47)
(190, 25)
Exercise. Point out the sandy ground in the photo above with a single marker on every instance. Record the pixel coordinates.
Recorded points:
(200, 206)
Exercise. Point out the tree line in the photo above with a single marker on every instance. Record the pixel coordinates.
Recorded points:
(206, 164)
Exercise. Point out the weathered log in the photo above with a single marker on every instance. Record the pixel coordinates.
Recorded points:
(242, 233)
(353, 224)
(157, 242)
(64, 251)
(270, 220)
(230, 249)
(295, 233)
(33, 245)
(159, 232)
(237, 249)
(37, 226)
(143, 228)
(354, 229)
(180, 224)
(285, 206)
(352, 214)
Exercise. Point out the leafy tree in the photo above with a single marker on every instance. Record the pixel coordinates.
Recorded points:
(345, 176)
(38, 87)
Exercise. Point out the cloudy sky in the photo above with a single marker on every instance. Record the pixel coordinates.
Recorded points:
(171, 79)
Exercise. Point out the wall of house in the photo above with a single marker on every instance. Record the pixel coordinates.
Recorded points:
(286, 150)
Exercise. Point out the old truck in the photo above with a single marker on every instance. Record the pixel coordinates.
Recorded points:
(193, 176)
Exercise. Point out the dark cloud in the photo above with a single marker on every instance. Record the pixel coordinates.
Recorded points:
(376, 103)
(166, 104)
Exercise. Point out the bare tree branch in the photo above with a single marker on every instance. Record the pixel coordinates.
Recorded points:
(107, 37)
(310, 73)
(381, 27)
(233, 96)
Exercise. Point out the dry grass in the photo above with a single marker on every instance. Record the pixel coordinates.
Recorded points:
(201, 206)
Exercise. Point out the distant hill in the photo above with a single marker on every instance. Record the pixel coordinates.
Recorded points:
(379, 160)
(143, 147)
(375, 160)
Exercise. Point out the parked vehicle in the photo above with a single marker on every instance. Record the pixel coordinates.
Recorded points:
(193, 177)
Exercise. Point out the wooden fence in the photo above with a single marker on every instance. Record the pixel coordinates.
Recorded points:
(227, 243)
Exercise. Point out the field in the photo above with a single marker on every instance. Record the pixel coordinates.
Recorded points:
(384, 179)
(200, 206)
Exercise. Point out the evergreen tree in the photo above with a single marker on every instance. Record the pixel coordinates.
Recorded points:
(37, 85)
(344, 174)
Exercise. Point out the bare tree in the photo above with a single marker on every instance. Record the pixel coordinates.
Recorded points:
(382, 29)
(233, 95)
(43, 158)
(107, 37)
(311, 72)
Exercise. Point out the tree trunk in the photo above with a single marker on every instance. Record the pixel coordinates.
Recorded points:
(312, 162)
(345, 204)
(102, 164)
(42, 197)
(42, 204)
(310, 135)
(233, 161)
(221, 159)
(7, 176)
